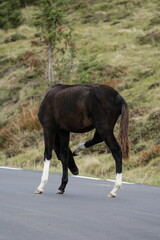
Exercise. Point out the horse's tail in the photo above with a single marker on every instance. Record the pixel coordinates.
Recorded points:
(123, 135)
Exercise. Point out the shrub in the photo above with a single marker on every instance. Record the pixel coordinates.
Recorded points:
(152, 38)
(91, 70)
(147, 155)
(14, 37)
(10, 14)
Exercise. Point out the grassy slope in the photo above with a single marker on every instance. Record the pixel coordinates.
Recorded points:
(117, 43)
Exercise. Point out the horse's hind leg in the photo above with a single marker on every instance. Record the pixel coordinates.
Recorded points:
(115, 149)
(48, 139)
(95, 140)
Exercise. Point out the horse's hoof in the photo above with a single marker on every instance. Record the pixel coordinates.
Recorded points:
(60, 191)
(38, 191)
(75, 154)
(75, 172)
(110, 195)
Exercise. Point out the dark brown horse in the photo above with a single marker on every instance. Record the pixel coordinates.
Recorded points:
(81, 108)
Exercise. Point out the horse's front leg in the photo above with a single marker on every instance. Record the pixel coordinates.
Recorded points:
(48, 139)
(64, 180)
(64, 154)
(72, 165)
(44, 178)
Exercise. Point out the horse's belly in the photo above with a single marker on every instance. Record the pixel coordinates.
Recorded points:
(77, 124)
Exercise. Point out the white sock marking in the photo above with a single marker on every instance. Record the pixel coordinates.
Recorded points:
(45, 175)
(118, 184)
(80, 147)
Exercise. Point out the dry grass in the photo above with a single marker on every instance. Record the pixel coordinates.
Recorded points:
(25, 121)
(28, 119)
(147, 155)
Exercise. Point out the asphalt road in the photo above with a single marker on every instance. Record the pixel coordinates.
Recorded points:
(83, 213)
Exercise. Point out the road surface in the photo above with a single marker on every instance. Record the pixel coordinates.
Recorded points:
(83, 213)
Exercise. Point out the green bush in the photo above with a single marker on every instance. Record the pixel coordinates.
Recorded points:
(14, 37)
(10, 14)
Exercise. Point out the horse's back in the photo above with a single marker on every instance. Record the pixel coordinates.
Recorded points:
(78, 108)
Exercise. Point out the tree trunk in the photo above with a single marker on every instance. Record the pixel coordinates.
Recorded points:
(50, 63)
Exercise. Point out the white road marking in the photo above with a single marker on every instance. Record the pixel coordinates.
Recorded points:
(110, 180)
(10, 168)
(92, 178)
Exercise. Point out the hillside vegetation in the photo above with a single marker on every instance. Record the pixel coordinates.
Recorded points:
(117, 42)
